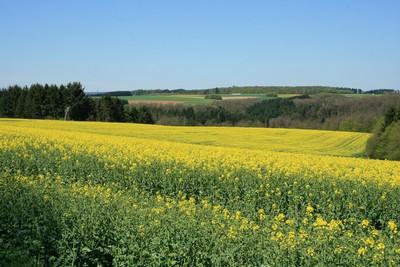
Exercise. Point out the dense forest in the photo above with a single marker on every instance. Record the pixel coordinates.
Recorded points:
(64, 102)
(45, 101)
(377, 114)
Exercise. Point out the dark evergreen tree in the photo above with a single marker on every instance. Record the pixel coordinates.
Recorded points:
(145, 116)
(140, 114)
(110, 109)
(21, 104)
(132, 114)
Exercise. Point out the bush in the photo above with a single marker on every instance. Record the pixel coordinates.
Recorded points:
(271, 95)
(215, 97)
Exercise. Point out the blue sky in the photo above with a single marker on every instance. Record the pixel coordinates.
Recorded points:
(126, 45)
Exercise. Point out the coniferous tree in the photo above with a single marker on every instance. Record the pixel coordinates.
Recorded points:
(145, 116)
(21, 104)
(110, 109)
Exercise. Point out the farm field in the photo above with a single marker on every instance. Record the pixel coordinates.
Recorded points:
(264, 139)
(168, 99)
(188, 99)
(89, 194)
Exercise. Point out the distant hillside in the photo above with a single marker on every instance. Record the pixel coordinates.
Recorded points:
(113, 93)
(284, 90)
(383, 91)
(239, 90)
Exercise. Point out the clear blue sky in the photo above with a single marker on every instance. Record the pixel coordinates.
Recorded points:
(124, 45)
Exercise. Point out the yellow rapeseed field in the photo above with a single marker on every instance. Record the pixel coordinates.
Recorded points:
(265, 139)
(85, 193)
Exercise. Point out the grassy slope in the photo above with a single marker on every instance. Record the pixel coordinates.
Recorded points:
(194, 99)
(267, 139)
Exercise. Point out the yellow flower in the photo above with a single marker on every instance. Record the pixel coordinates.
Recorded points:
(291, 235)
(369, 241)
(319, 222)
(349, 234)
(279, 235)
(303, 235)
(338, 250)
(375, 232)
(365, 223)
(157, 210)
(392, 226)
(380, 246)
(309, 209)
(244, 224)
(261, 214)
(205, 204)
(289, 222)
(361, 251)
(226, 214)
(232, 234)
(280, 217)
(334, 225)
(237, 215)
(311, 252)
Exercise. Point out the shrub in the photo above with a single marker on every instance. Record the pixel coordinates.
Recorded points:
(215, 97)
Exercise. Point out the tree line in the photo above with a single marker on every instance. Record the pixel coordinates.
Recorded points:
(248, 90)
(45, 101)
(66, 102)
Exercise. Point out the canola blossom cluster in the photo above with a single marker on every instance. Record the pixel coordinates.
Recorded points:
(73, 197)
